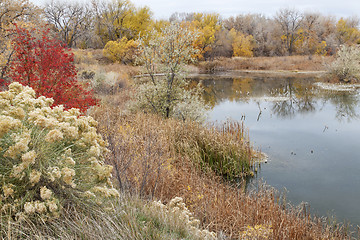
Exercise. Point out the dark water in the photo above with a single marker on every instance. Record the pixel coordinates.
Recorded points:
(310, 134)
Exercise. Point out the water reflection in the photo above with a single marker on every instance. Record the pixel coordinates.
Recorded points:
(346, 105)
(309, 132)
(288, 97)
(300, 99)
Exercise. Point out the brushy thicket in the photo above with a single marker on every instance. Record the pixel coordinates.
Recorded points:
(50, 158)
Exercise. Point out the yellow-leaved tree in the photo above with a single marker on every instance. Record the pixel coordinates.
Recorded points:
(207, 25)
(242, 45)
(346, 33)
(120, 18)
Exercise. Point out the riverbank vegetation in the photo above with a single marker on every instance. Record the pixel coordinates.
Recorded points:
(119, 170)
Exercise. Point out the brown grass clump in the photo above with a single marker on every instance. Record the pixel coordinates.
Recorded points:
(287, 63)
(160, 158)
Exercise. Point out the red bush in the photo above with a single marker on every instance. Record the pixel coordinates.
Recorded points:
(42, 63)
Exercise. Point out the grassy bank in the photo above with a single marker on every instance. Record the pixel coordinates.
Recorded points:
(288, 63)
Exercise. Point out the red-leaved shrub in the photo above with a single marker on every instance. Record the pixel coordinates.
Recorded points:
(44, 64)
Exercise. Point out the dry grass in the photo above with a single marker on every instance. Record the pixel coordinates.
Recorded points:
(159, 158)
(127, 218)
(288, 63)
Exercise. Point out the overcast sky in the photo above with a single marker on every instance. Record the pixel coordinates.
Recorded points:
(226, 8)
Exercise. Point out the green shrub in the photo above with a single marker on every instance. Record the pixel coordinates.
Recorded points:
(50, 158)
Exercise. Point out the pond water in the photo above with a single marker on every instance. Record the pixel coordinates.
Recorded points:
(310, 132)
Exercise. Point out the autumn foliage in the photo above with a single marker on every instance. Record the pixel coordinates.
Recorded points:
(122, 50)
(45, 65)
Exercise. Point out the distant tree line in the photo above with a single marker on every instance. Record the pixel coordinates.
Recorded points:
(116, 26)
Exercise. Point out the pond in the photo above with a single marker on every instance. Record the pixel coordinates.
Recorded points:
(310, 133)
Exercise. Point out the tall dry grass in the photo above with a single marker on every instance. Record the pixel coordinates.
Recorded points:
(163, 158)
(289, 63)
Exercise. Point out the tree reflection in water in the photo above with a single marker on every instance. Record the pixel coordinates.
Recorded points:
(300, 99)
(288, 97)
(346, 104)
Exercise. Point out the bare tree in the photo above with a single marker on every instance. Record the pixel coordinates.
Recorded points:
(289, 21)
(11, 12)
(70, 20)
(181, 17)
(310, 26)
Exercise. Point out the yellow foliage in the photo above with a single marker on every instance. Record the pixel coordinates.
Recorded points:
(307, 42)
(345, 33)
(121, 18)
(206, 25)
(138, 22)
(122, 51)
(242, 45)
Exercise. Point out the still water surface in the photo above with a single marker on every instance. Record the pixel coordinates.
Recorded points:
(310, 134)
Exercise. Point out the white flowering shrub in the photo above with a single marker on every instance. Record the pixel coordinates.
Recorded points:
(49, 157)
(165, 90)
(346, 66)
(177, 214)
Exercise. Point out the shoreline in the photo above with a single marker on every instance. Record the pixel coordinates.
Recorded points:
(261, 73)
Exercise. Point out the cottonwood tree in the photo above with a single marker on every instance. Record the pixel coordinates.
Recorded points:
(207, 25)
(310, 42)
(347, 31)
(169, 94)
(242, 45)
(289, 22)
(70, 20)
(110, 18)
(327, 32)
(256, 25)
(120, 18)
